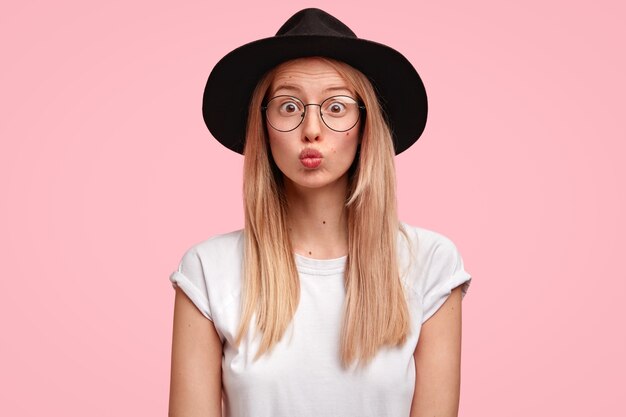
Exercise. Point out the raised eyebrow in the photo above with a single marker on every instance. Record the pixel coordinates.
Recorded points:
(338, 88)
(297, 89)
(287, 87)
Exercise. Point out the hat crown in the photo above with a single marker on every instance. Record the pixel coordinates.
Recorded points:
(314, 21)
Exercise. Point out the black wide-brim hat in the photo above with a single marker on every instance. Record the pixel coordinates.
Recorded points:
(313, 32)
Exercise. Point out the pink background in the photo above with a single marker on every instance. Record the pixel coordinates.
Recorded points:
(108, 174)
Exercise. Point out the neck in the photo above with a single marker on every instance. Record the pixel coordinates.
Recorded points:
(317, 219)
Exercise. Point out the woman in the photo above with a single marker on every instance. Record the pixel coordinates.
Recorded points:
(307, 313)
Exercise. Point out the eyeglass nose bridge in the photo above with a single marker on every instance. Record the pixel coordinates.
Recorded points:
(305, 111)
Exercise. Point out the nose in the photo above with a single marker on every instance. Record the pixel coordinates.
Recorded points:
(312, 124)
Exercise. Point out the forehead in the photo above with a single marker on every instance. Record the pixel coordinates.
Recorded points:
(308, 76)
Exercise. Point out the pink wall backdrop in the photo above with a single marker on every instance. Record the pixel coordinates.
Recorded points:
(108, 174)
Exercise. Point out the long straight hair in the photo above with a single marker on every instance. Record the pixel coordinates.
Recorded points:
(375, 311)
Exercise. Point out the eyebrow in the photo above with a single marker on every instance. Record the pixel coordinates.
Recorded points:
(291, 87)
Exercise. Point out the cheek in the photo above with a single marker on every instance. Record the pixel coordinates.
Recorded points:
(278, 146)
(349, 144)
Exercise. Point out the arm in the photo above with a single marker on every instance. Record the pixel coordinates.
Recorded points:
(438, 362)
(196, 373)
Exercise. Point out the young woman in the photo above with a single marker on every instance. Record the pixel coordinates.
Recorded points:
(324, 304)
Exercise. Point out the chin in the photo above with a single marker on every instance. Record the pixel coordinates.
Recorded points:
(313, 183)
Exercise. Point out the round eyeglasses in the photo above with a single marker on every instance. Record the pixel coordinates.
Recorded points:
(286, 113)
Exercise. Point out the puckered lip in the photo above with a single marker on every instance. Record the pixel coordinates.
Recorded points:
(310, 153)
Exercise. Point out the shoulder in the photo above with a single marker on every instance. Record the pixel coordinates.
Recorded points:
(223, 245)
(428, 259)
(220, 249)
(218, 256)
(427, 241)
(210, 270)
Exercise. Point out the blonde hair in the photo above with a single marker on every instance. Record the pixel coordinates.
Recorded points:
(375, 310)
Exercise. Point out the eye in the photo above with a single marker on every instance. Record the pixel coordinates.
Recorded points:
(290, 107)
(336, 107)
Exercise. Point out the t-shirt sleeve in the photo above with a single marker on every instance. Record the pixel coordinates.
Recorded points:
(191, 279)
(446, 272)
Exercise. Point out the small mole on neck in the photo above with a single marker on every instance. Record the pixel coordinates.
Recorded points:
(324, 221)
(309, 252)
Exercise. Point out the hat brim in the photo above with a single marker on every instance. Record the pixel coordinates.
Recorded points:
(229, 88)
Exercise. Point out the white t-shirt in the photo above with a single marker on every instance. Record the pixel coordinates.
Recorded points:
(303, 376)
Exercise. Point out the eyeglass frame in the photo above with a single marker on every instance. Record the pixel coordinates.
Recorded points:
(361, 107)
